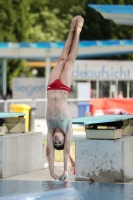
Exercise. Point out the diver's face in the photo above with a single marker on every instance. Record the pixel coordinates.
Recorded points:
(58, 138)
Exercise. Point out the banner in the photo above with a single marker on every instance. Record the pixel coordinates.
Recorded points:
(103, 70)
(101, 106)
(28, 88)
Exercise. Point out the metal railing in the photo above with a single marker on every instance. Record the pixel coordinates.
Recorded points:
(2, 105)
(41, 104)
(8, 102)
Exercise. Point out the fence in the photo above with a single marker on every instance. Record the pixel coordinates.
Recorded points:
(41, 104)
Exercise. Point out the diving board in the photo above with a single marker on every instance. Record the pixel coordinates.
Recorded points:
(106, 126)
(11, 114)
(120, 14)
(101, 119)
(12, 122)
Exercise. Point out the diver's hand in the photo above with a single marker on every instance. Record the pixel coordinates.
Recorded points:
(54, 176)
(63, 177)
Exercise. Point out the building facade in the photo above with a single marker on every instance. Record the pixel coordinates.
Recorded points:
(108, 78)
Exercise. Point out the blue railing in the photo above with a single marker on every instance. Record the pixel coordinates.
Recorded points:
(50, 45)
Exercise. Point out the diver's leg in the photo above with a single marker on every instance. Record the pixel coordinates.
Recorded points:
(56, 72)
(66, 76)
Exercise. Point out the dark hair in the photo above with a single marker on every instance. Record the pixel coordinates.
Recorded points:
(59, 147)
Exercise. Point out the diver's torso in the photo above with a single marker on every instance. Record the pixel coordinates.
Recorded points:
(58, 115)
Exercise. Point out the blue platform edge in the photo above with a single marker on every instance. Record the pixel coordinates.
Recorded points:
(11, 114)
(115, 9)
(101, 119)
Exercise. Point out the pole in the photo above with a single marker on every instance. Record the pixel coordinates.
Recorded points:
(47, 70)
(3, 66)
(128, 89)
(47, 74)
(97, 88)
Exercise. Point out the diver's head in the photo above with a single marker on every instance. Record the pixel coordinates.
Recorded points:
(58, 139)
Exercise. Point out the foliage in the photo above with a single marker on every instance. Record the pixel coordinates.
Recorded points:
(51, 20)
(14, 20)
(14, 27)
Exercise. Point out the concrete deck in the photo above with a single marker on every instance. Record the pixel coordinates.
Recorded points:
(43, 175)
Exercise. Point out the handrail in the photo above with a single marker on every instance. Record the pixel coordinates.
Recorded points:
(77, 100)
(2, 100)
(35, 103)
(16, 100)
(69, 99)
(41, 99)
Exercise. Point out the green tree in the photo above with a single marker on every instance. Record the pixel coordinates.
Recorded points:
(51, 19)
(14, 20)
(14, 27)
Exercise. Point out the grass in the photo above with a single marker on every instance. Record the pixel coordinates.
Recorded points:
(59, 154)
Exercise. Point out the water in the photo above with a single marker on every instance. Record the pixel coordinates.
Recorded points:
(41, 190)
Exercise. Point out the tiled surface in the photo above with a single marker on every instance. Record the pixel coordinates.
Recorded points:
(37, 190)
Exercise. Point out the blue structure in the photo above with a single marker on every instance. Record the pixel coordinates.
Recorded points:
(42, 50)
(120, 14)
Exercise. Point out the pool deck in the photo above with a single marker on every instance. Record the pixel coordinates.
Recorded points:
(44, 175)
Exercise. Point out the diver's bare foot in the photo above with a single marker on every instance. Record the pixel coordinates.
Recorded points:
(79, 24)
(73, 23)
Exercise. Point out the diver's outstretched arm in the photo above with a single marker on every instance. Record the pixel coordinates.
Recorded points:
(50, 154)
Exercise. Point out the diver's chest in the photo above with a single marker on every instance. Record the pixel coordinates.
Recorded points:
(62, 121)
(59, 122)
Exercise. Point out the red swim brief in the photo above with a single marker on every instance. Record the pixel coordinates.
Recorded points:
(58, 85)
